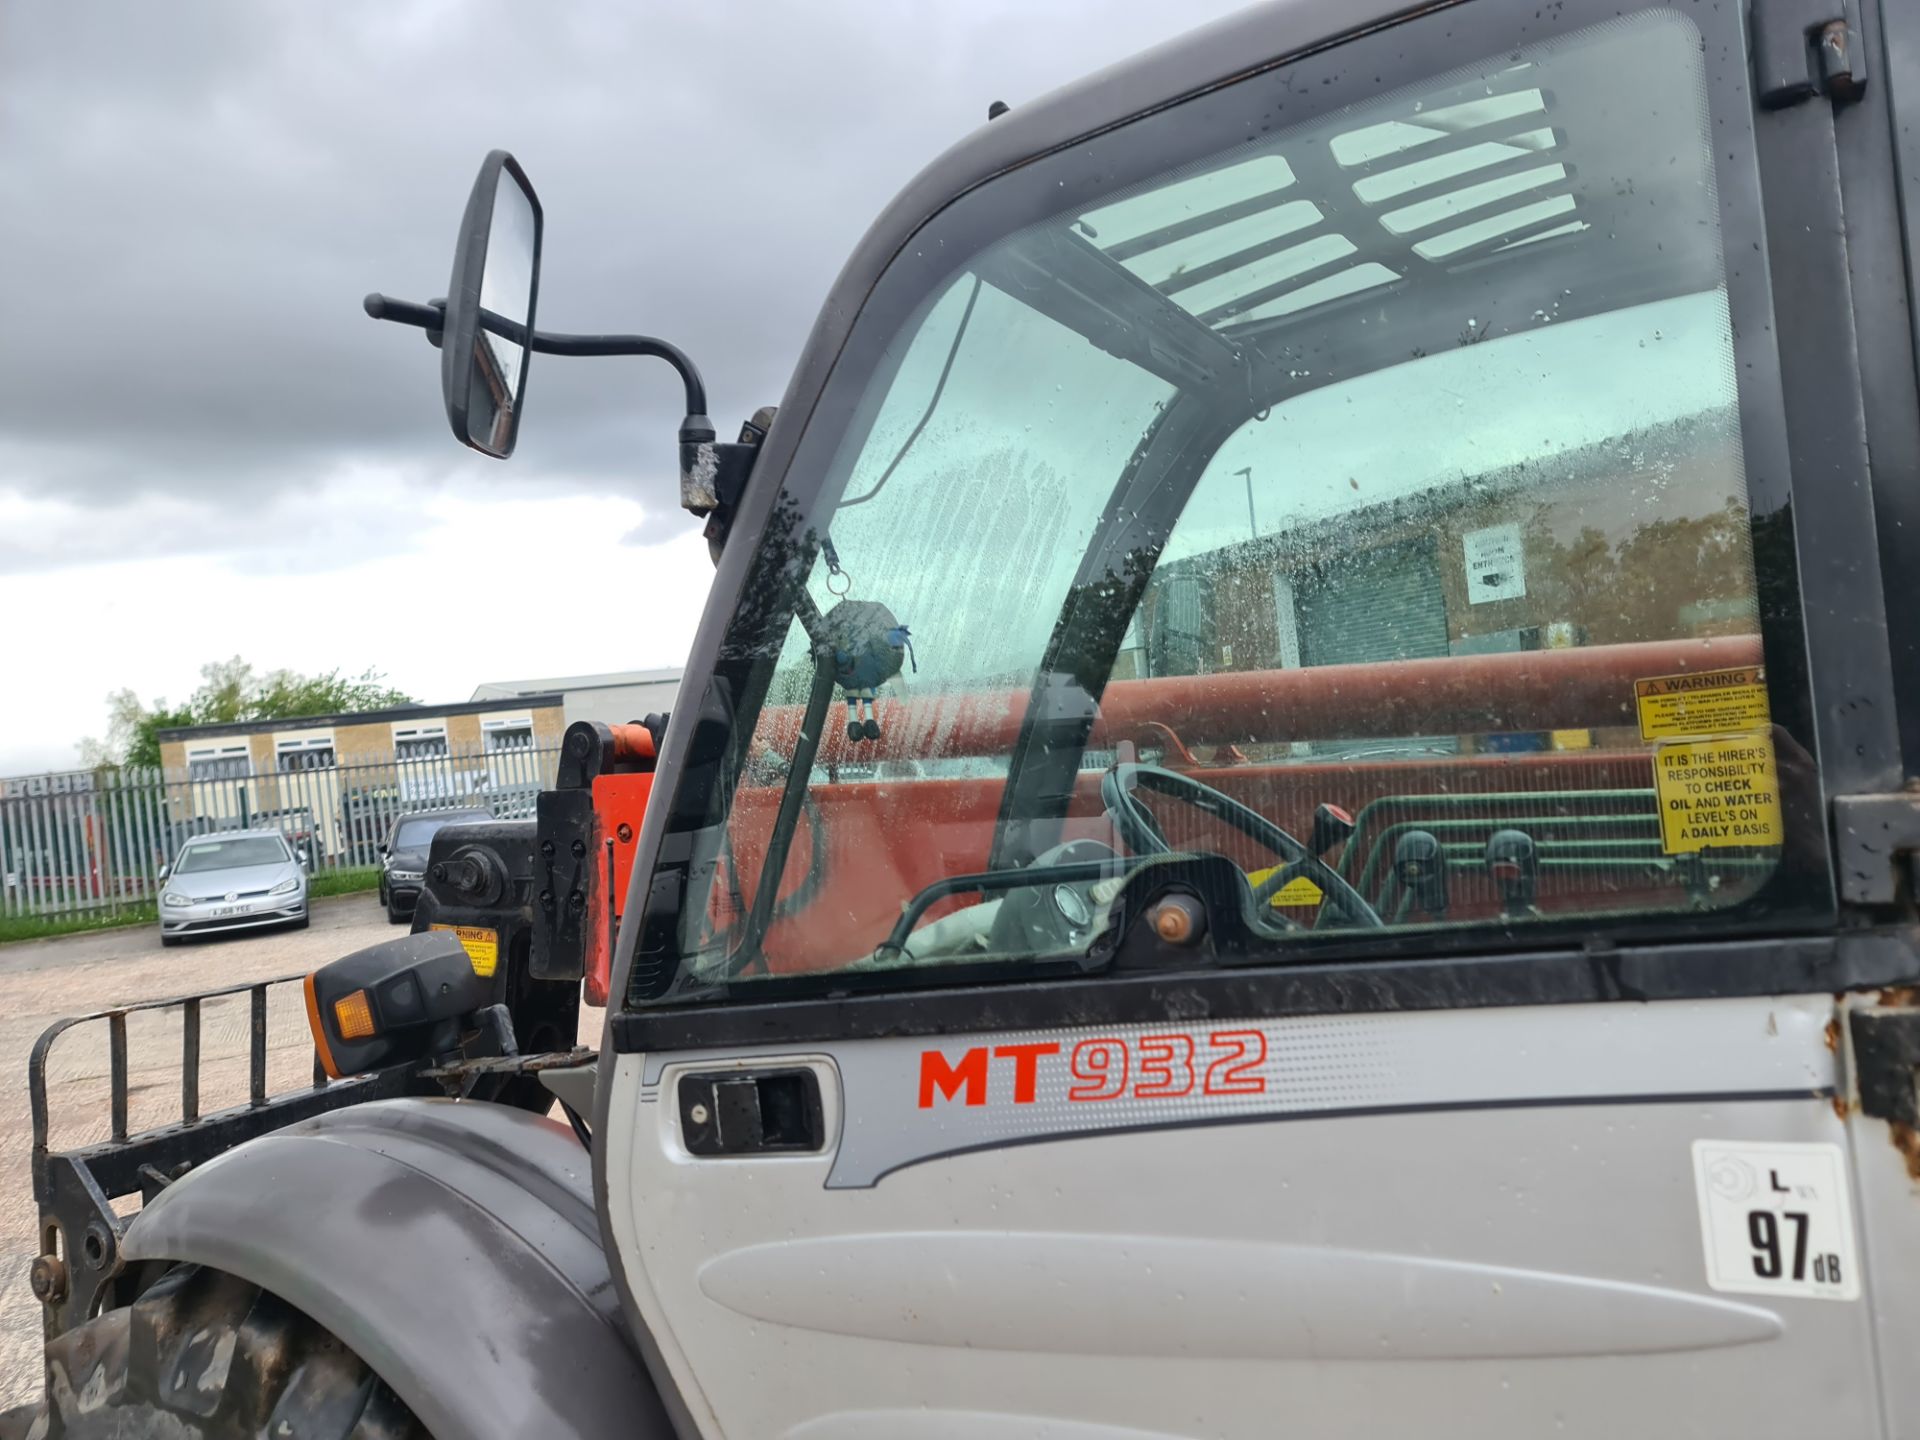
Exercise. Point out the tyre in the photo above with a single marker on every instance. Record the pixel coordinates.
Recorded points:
(395, 917)
(384, 898)
(304, 921)
(170, 940)
(206, 1356)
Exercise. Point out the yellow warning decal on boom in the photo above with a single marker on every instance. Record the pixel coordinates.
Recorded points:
(481, 944)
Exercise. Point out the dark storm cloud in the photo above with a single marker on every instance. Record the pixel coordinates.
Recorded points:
(194, 197)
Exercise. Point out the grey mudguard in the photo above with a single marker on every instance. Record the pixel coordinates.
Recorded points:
(453, 1246)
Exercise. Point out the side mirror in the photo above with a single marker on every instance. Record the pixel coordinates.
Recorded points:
(301, 856)
(381, 847)
(165, 871)
(490, 308)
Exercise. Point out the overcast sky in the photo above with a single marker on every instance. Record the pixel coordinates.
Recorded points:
(206, 449)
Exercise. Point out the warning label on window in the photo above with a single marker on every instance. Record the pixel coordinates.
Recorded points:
(1717, 792)
(1709, 702)
(1297, 891)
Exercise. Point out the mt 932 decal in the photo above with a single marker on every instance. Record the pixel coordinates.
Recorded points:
(1107, 1067)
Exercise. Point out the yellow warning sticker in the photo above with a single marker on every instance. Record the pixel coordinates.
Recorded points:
(1297, 891)
(481, 944)
(1708, 702)
(1717, 792)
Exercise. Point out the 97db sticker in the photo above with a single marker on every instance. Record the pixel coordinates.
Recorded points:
(1776, 1219)
(482, 946)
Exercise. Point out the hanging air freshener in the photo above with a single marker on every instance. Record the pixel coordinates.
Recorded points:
(869, 647)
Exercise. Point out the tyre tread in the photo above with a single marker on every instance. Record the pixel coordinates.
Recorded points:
(204, 1355)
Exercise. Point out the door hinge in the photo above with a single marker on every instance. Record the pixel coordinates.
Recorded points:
(1886, 1061)
(1876, 838)
(1807, 47)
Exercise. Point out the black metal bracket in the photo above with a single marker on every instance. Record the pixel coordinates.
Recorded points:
(563, 872)
(726, 470)
(1874, 836)
(1807, 47)
(74, 1190)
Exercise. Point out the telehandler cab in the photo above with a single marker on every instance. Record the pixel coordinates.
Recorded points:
(1291, 813)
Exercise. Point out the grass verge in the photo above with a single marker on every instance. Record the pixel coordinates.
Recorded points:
(45, 927)
(344, 882)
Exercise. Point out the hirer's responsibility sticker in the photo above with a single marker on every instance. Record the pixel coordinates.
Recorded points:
(1716, 793)
(1709, 702)
(1297, 891)
(481, 944)
(1776, 1219)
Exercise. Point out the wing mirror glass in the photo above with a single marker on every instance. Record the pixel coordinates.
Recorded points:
(490, 307)
(165, 871)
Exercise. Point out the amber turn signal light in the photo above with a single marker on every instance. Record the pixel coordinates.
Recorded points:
(354, 1016)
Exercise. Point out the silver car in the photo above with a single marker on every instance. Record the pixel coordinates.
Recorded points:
(235, 880)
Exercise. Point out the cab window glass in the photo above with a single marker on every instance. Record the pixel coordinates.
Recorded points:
(1362, 506)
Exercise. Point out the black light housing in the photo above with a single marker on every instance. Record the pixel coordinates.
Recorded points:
(392, 1002)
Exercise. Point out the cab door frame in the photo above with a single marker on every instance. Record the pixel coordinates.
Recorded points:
(1839, 376)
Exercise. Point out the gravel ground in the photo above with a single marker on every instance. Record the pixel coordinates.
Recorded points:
(41, 981)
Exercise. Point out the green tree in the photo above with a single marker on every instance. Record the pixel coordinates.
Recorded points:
(229, 692)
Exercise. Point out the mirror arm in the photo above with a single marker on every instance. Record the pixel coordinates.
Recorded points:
(432, 317)
(405, 312)
(702, 462)
(545, 342)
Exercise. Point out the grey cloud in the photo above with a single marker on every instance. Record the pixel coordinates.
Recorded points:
(657, 527)
(193, 199)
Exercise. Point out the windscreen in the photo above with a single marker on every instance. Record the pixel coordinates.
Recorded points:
(418, 834)
(1360, 507)
(230, 854)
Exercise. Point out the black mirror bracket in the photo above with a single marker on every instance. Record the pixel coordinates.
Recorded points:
(713, 474)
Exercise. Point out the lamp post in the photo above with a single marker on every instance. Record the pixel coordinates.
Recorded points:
(1252, 524)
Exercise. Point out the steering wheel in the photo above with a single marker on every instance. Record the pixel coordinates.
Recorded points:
(1143, 835)
(1044, 919)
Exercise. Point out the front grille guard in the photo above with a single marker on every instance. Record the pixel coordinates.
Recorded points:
(79, 1265)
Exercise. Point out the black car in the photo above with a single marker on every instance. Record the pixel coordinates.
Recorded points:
(403, 856)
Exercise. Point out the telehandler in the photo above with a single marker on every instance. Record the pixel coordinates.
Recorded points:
(1292, 813)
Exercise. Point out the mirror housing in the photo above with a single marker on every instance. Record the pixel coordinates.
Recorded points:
(392, 1002)
(166, 872)
(489, 316)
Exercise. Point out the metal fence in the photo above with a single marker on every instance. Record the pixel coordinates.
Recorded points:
(96, 840)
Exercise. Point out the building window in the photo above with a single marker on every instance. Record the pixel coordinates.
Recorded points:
(512, 735)
(419, 742)
(315, 752)
(224, 762)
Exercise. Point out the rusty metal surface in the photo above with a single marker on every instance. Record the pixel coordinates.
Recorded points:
(511, 1064)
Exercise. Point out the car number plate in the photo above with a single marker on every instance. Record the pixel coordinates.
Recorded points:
(231, 910)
